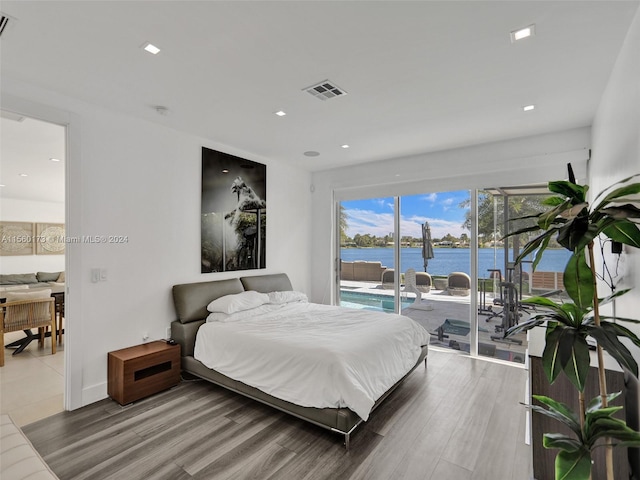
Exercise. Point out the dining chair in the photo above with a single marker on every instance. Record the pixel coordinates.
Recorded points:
(25, 315)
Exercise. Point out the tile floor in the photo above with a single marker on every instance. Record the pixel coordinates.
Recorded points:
(32, 382)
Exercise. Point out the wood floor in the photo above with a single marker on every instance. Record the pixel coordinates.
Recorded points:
(457, 419)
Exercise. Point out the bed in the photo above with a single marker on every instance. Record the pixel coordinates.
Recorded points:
(230, 362)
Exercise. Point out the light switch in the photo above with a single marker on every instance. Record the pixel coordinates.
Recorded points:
(95, 275)
(103, 274)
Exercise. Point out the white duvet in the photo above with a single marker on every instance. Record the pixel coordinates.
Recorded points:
(313, 355)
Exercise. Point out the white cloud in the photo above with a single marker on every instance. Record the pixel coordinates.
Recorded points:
(446, 203)
(381, 224)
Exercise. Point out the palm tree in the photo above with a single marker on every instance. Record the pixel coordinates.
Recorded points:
(237, 186)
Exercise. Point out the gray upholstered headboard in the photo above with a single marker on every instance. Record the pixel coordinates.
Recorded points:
(277, 282)
(191, 300)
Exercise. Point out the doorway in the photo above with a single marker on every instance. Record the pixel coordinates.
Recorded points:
(33, 195)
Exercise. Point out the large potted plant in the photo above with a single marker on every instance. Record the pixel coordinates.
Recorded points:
(576, 225)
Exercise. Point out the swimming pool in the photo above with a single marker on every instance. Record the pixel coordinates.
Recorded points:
(370, 301)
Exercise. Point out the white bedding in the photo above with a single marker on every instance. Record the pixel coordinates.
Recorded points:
(313, 355)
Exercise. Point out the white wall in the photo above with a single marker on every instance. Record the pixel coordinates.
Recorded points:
(18, 210)
(616, 155)
(135, 178)
(529, 160)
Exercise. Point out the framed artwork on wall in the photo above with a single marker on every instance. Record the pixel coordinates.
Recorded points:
(49, 239)
(233, 213)
(16, 238)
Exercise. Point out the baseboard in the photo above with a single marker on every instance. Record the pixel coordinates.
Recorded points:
(94, 393)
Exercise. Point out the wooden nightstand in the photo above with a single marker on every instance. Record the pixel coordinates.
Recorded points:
(139, 371)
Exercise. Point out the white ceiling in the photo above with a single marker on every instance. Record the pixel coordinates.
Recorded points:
(420, 75)
(27, 147)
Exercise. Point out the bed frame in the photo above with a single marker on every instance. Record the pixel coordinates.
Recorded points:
(191, 302)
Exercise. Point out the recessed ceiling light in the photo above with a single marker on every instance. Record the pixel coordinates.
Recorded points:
(54, 159)
(225, 171)
(528, 108)
(2, 185)
(23, 175)
(523, 33)
(311, 153)
(151, 48)
(280, 113)
(345, 146)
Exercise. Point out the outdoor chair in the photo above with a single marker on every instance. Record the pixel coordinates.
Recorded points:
(388, 278)
(458, 284)
(410, 284)
(424, 282)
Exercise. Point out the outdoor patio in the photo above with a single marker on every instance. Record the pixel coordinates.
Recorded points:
(446, 318)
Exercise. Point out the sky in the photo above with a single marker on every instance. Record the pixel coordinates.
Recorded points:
(441, 210)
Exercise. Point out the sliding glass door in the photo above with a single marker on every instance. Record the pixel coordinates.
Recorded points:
(436, 263)
(503, 285)
(410, 255)
(442, 259)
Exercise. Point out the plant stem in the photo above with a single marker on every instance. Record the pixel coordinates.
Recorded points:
(601, 372)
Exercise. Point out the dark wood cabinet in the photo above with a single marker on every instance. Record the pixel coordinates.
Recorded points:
(139, 371)
(563, 391)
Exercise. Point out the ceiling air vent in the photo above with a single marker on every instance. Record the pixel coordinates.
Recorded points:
(325, 90)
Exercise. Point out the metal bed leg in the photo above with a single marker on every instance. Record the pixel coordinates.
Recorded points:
(346, 441)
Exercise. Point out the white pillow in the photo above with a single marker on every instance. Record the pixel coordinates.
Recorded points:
(13, 287)
(238, 302)
(33, 294)
(287, 296)
(217, 317)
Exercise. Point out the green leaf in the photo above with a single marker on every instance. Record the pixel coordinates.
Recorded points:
(561, 442)
(621, 211)
(539, 252)
(533, 245)
(631, 189)
(620, 319)
(524, 326)
(598, 421)
(574, 357)
(522, 230)
(610, 427)
(548, 218)
(572, 232)
(609, 342)
(543, 302)
(577, 193)
(552, 201)
(621, 331)
(558, 411)
(574, 314)
(578, 280)
(610, 298)
(573, 465)
(596, 402)
(593, 230)
(551, 362)
(624, 231)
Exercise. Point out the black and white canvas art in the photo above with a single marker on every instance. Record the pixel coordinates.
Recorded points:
(234, 213)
